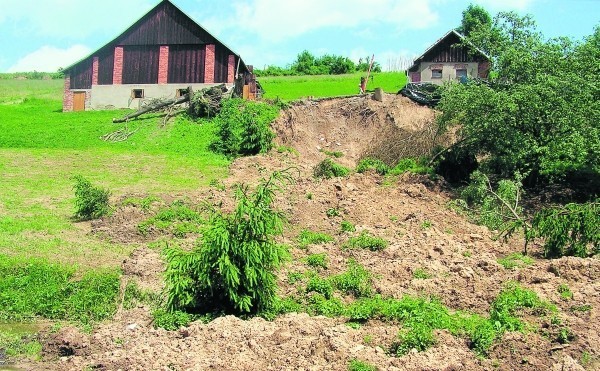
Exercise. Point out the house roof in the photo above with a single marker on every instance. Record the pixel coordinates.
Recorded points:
(442, 39)
(148, 14)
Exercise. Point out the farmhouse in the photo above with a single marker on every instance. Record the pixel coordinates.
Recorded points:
(447, 59)
(160, 55)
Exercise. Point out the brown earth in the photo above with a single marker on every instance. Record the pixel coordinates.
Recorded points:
(411, 213)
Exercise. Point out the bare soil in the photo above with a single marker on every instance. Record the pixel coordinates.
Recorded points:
(410, 212)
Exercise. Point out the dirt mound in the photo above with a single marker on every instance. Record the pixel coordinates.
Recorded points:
(411, 213)
(357, 127)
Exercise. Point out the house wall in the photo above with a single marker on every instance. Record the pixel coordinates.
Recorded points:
(448, 71)
(119, 96)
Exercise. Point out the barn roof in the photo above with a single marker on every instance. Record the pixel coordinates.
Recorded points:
(133, 32)
(448, 36)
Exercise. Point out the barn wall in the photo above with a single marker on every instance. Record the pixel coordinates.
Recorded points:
(166, 26)
(106, 64)
(221, 64)
(186, 63)
(81, 75)
(120, 96)
(140, 64)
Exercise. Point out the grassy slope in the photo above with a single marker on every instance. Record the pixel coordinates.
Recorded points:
(41, 148)
(294, 87)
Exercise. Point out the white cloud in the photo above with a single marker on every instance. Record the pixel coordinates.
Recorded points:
(73, 19)
(49, 59)
(276, 20)
(506, 4)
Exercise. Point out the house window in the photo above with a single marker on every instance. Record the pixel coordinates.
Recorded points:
(436, 73)
(461, 74)
(181, 92)
(137, 93)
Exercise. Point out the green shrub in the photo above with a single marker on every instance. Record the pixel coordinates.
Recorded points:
(515, 260)
(171, 320)
(332, 212)
(419, 337)
(307, 237)
(320, 285)
(356, 365)
(565, 292)
(366, 241)
(367, 164)
(91, 202)
(512, 298)
(355, 281)
(328, 169)
(233, 268)
(336, 154)
(411, 165)
(143, 203)
(347, 227)
(243, 128)
(321, 306)
(178, 218)
(570, 230)
(421, 274)
(317, 260)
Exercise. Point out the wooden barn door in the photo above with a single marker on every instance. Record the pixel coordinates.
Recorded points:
(79, 101)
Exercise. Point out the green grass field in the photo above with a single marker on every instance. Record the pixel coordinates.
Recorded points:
(295, 87)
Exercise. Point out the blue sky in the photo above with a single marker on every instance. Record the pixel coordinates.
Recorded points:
(43, 35)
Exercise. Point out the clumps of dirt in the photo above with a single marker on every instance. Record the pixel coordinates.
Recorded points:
(145, 267)
(66, 342)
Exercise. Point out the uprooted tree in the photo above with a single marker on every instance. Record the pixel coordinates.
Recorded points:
(202, 103)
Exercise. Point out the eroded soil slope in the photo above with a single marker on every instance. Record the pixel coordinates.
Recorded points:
(411, 212)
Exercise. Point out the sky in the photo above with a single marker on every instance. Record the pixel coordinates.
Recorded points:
(44, 35)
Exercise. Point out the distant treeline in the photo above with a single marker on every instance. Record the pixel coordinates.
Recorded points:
(35, 75)
(308, 64)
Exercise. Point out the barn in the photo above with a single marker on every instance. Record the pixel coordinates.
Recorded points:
(449, 59)
(160, 55)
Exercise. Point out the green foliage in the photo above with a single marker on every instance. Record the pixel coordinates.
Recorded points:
(565, 292)
(317, 260)
(366, 241)
(356, 365)
(332, 212)
(294, 277)
(356, 281)
(328, 169)
(307, 237)
(413, 166)
(320, 285)
(307, 64)
(511, 299)
(565, 336)
(498, 209)
(30, 288)
(474, 18)
(91, 202)
(319, 305)
(581, 308)
(364, 63)
(178, 219)
(419, 337)
(243, 128)
(515, 260)
(233, 267)
(171, 320)
(570, 230)
(421, 274)
(368, 163)
(143, 203)
(17, 342)
(336, 154)
(347, 226)
(538, 115)
(426, 224)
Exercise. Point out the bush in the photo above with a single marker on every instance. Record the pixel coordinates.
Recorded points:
(243, 128)
(572, 230)
(171, 320)
(356, 365)
(346, 226)
(366, 241)
(328, 169)
(307, 237)
(232, 270)
(411, 165)
(355, 281)
(372, 164)
(91, 202)
(317, 260)
(320, 285)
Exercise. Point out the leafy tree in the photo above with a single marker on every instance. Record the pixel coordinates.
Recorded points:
(233, 268)
(539, 114)
(473, 18)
